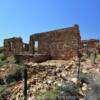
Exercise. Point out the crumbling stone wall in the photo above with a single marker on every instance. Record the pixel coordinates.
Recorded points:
(59, 44)
(25, 58)
(13, 46)
(91, 45)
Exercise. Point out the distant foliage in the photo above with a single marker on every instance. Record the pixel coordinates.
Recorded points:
(1, 49)
(15, 74)
(3, 58)
(2, 92)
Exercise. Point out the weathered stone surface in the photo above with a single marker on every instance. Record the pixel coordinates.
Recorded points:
(13, 46)
(90, 45)
(25, 58)
(48, 75)
(59, 44)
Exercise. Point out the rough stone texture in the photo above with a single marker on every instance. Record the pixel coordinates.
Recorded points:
(13, 46)
(24, 58)
(59, 44)
(48, 75)
(91, 44)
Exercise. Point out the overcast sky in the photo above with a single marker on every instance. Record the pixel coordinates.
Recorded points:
(22, 18)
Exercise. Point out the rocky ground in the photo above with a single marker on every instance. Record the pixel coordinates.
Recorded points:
(52, 74)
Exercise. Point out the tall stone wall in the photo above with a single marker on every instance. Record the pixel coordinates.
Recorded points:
(13, 46)
(59, 44)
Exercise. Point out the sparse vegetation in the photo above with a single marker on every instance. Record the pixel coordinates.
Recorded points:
(2, 91)
(69, 91)
(1, 49)
(48, 95)
(93, 56)
(2, 57)
(15, 74)
(94, 92)
(98, 57)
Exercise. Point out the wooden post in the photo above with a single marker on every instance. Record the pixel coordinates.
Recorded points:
(79, 64)
(94, 56)
(87, 51)
(79, 69)
(25, 83)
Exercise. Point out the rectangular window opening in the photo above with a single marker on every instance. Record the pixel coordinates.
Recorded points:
(36, 46)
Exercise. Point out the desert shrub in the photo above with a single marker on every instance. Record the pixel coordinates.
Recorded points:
(15, 74)
(94, 92)
(2, 92)
(1, 49)
(68, 91)
(87, 54)
(84, 57)
(48, 95)
(2, 60)
(93, 57)
(1, 81)
(98, 57)
(0, 63)
(2, 57)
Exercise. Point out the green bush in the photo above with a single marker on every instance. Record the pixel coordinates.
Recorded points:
(3, 58)
(98, 57)
(48, 95)
(1, 49)
(15, 74)
(68, 91)
(2, 91)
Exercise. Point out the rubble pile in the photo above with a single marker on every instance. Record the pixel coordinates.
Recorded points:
(46, 76)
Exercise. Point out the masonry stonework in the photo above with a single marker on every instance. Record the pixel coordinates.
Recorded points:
(13, 46)
(59, 44)
(91, 45)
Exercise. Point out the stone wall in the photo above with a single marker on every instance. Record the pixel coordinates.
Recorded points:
(59, 44)
(91, 45)
(13, 46)
(25, 58)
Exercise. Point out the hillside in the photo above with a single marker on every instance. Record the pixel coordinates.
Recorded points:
(51, 79)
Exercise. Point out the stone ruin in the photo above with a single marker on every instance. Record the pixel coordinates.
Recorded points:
(91, 45)
(58, 44)
(13, 46)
